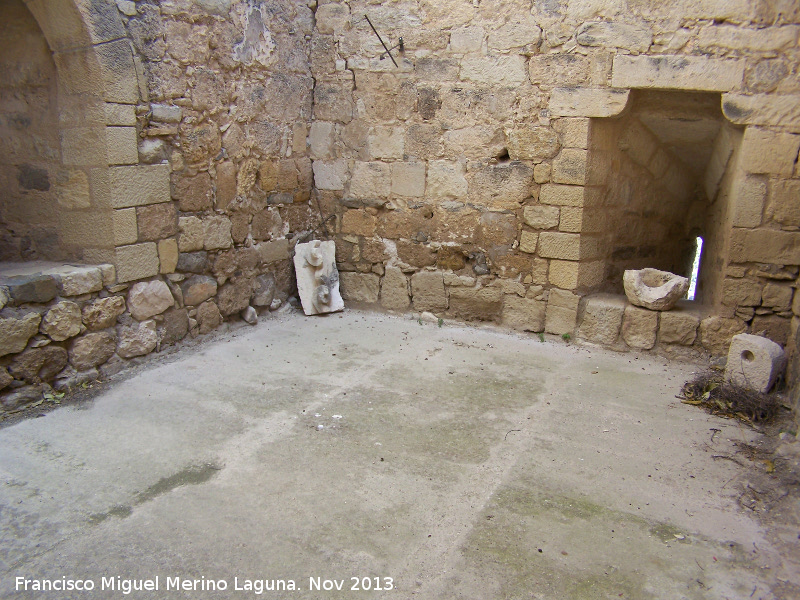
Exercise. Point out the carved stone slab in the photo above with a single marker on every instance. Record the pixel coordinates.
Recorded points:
(317, 277)
(654, 289)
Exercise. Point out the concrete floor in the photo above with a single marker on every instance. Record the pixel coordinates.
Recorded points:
(459, 462)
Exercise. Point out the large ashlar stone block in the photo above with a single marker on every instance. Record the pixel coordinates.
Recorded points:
(677, 72)
(385, 142)
(137, 261)
(330, 175)
(122, 143)
(394, 290)
(446, 179)
(716, 333)
(541, 217)
(524, 314)
(749, 197)
(766, 246)
(360, 287)
(77, 280)
(639, 327)
(564, 274)
(602, 318)
(371, 180)
(768, 110)
(754, 362)
(318, 277)
(466, 39)
(678, 326)
(499, 70)
(532, 142)
(561, 195)
(554, 244)
(587, 102)
(614, 34)
(765, 151)
(408, 179)
(570, 167)
(124, 224)
(733, 37)
(427, 291)
(520, 31)
(654, 289)
(139, 185)
(741, 292)
(480, 304)
(562, 312)
(783, 206)
(528, 241)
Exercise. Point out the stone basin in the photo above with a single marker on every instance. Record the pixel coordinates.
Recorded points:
(654, 289)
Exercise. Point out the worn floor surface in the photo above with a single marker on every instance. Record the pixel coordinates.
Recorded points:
(443, 462)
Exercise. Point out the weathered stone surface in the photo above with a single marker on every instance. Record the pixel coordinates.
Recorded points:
(525, 314)
(30, 288)
(531, 142)
(137, 340)
(175, 326)
(193, 262)
(5, 378)
(765, 246)
(408, 179)
(482, 304)
(427, 291)
(677, 72)
(217, 233)
(208, 316)
(138, 261)
(157, 221)
(678, 326)
(767, 151)
(541, 216)
(569, 167)
(195, 193)
(654, 289)
(716, 333)
(330, 175)
(602, 318)
(264, 291)
(149, 298)
(360, 287)
(63, 321)
(774, 327)
(76, 281)
(508, 70)
(566, 246)
(103, 312)
(92, 350)
(38, 364)
(273, 251)
(614, 35)
(776, 296)
(639, 327)
(21, 397)
(15, 332)
(587, 102)
(561, 195)
(235, 296)
(317, 277)
(394, 290)
(197, 289)
(562, 312)
(139, 185)
(768, 110)
(754, 362)
(191, 234)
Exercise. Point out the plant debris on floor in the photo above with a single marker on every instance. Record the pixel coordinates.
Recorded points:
(725, 398)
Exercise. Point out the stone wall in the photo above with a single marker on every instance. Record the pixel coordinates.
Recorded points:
(29, 145)
(522, 154)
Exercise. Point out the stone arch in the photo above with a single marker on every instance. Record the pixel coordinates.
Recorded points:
(97, 92)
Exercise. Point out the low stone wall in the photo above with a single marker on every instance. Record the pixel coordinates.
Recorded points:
(63, 325)
(688, 331)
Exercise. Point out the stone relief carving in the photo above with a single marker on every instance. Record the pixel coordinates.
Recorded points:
(317, 277)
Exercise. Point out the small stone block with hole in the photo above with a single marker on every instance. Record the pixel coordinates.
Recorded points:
(754, 362)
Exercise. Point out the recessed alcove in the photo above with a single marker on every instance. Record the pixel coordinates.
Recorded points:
(659, 176)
